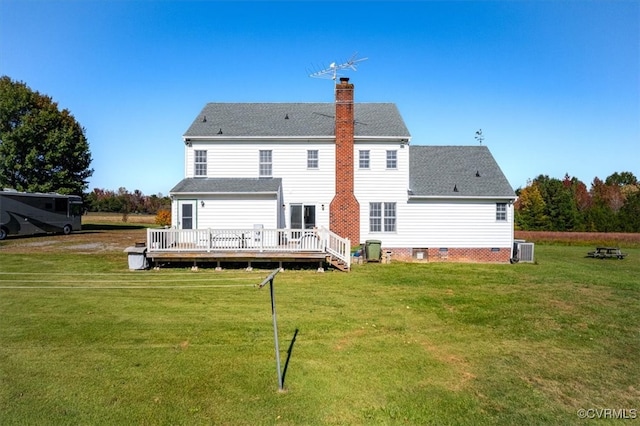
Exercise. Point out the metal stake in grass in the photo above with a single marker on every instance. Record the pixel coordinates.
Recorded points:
(269, 280)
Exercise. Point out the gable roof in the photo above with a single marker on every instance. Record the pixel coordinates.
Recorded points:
(435, 171)
(227, 186)
(293, 120)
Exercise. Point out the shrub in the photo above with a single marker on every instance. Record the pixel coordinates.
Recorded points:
(163, 217)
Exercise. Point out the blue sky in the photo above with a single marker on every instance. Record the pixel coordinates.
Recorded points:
(554, 85)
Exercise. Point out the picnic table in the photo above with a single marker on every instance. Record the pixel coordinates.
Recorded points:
(607, 253)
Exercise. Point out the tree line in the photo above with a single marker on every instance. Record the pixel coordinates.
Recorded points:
(125, 202)
(551, 204)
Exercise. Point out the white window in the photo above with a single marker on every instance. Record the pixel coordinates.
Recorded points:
(501, 212)
(364, 159)
(266, 164)
(389, 217)
(392, 159)
(200, 163)
(312, 159)
(382, 216)
(375, 217)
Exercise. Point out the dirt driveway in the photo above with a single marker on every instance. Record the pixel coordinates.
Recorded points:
(95, 239)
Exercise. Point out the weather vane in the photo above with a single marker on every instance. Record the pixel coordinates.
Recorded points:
(479, 136)
(332, 71)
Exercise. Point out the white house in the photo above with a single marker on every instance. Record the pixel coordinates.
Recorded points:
(347, 167)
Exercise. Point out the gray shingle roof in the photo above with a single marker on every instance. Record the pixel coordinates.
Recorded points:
(304, 120)
(227, 185)
(434, 171)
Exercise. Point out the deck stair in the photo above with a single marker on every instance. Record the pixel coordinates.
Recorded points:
(339, 264)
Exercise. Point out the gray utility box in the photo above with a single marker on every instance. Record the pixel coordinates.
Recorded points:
(137, 257)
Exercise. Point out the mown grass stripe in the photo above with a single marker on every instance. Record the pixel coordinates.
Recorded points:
(84, 274)
(104, 281)
(122, 287)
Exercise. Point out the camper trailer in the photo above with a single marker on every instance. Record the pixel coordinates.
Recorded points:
(23, 213)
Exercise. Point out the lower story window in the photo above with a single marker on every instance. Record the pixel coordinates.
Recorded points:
(303, 217)
(382, 217)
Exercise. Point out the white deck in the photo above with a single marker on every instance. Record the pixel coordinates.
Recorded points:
(261, 242)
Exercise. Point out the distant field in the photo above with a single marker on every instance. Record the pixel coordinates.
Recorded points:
(86, 341)
(615, 239)
(100, 218)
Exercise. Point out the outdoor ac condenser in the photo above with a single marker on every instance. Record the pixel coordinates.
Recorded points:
(523, 252)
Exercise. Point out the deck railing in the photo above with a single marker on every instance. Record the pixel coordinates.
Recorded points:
(250, 240)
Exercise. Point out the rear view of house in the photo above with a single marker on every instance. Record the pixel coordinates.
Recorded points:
(346, 167)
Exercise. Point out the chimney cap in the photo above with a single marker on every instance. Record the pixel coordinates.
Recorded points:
(344, 79)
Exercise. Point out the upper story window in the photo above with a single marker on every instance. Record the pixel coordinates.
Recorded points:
(363, 159)
(312, 159)
(266, 163)
(501, 212)
(200, 162)
(392, 159)
(382, 217)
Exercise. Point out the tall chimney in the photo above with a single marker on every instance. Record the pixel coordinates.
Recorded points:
(344, 210)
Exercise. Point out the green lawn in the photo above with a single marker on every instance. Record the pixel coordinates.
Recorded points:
(85, 341)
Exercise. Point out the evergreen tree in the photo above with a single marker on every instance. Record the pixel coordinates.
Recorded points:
(530, 210)
(561, 208)
(582, 200)
(621, 179)
(607, 200)
(629, 214)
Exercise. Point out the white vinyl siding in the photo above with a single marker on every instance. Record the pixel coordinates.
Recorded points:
(239, 212)
(381, 185)
(452, 223)
(300, 184)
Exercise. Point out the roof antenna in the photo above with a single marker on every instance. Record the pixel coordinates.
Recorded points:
(333, 71)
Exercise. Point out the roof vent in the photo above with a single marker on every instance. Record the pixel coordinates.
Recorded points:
(204, 118)
(455, 188)
(220, 131)
(477, 173)
(286, 116)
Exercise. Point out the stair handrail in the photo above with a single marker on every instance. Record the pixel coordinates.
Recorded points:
(337, 246)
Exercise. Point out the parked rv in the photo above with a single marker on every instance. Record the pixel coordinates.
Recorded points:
(24, 213)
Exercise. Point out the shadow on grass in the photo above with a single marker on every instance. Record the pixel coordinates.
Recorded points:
(289, 351)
